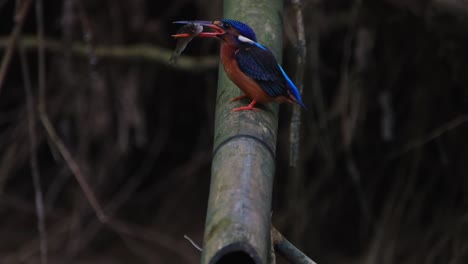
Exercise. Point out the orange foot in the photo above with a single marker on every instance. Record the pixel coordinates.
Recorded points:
(249, 107)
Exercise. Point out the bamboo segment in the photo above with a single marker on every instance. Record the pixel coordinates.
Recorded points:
(238, 221)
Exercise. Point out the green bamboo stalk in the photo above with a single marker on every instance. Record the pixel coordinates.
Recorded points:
(238, 220)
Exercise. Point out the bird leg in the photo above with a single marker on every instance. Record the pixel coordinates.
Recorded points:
(249, 107)
(239, 97)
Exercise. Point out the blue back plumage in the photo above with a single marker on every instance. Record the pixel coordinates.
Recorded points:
(257, 62)
(244, 29)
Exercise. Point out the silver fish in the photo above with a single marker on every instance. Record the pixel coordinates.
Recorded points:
(191, 30)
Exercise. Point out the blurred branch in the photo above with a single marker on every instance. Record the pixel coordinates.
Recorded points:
(444, 15)
(151, 235)
(317, 26)
(132, 52)
(416, 143)
(458, 8)
(346, 105)
(39, 201)
(28, 250)
(71, 163)
(295, 127)
(35, 167)
(52, 133)
(288, 250)
(10, 42)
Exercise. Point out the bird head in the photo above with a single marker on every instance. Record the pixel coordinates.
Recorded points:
(227, 29)
(234, 28)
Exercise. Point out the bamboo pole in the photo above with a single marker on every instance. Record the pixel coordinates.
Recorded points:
(238, 220)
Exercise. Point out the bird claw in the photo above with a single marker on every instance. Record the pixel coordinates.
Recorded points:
(248, 107)
(243, 108)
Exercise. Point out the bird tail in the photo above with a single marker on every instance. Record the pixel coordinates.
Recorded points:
(293, 92)
(297, 100)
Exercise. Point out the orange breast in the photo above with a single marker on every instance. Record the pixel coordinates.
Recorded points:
(244, 82)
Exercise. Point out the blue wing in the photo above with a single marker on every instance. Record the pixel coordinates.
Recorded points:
(260, 64)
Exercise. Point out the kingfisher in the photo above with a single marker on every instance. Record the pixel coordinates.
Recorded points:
(249, 65)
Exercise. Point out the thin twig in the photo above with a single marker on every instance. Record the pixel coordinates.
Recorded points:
(52, 133)
(295, 127)
(288, 250)
(71, 163)
(193, 243)
(39, 201)
(11, 42)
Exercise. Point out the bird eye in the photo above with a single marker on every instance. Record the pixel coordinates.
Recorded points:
(227, 25)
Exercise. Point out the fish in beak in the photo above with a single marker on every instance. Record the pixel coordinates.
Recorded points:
(190, 30)
(192, 23)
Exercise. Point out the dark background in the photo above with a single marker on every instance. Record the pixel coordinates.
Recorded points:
(383, 170)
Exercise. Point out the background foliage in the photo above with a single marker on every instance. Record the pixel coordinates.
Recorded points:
(382, 175)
